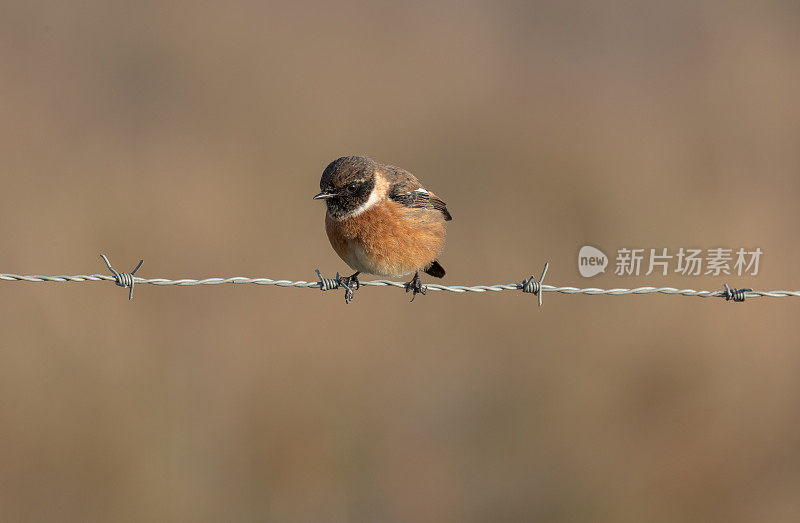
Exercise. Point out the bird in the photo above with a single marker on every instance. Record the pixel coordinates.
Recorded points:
(381, 220)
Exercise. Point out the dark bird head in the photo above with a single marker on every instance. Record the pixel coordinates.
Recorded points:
(347, 184)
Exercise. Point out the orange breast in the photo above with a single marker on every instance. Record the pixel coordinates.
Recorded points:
(388, 239)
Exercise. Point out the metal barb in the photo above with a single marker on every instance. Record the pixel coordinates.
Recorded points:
(327, 284)
(534, 286)
(123, 279)
(734, 294)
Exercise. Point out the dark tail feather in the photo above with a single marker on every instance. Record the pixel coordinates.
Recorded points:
(435, 270)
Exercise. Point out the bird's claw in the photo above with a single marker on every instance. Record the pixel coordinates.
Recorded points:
(415, 286)
(350, 284)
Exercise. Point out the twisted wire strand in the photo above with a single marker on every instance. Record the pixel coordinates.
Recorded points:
(592, 291)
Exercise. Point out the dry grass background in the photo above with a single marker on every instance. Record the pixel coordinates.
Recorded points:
(193, 135)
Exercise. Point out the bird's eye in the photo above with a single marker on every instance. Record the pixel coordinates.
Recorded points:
(352, 187)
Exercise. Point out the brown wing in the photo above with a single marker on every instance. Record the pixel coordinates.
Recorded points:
(406, 190)
(436, 270)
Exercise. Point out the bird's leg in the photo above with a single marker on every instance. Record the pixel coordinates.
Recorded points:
(415, 286)
(353, 278)
(349, 282)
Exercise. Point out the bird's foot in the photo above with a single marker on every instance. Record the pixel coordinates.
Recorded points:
(415, 286)
(350, 284)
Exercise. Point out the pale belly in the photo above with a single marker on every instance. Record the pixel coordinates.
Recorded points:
(388, 266)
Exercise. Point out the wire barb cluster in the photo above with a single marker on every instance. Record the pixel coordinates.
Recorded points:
(535, 286)
(528, 285)
(734, 294)
(328, 284)
(123, 279)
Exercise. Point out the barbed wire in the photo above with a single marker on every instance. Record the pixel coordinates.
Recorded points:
(528, 285)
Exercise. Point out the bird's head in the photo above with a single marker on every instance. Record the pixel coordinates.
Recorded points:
(346, 185)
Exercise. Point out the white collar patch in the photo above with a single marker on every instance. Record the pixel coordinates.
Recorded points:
(374, 198)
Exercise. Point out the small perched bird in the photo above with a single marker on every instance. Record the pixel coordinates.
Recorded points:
(381, 220)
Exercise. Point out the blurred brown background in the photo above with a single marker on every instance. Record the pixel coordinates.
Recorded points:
(193, 135)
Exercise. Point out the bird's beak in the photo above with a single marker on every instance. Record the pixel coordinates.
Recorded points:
(324, 196)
